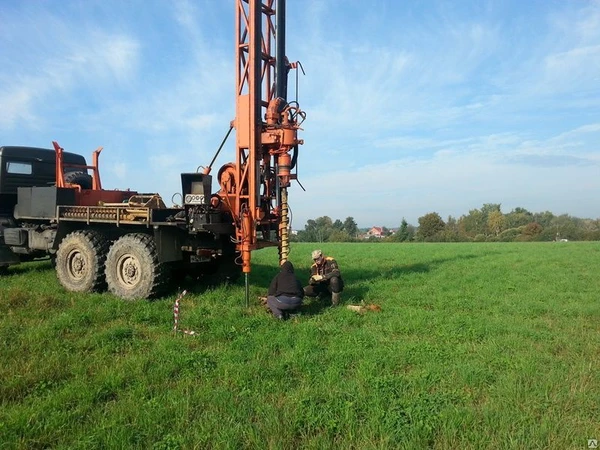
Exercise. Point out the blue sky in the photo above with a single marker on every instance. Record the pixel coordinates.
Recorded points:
(412, 107)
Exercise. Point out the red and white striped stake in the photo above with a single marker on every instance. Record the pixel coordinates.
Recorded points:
(176, 316)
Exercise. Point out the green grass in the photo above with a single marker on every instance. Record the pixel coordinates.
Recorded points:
(477, 346)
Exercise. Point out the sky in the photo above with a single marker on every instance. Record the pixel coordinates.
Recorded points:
(412, 107)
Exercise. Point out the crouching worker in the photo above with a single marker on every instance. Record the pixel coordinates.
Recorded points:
(285, 292)
(325, 278)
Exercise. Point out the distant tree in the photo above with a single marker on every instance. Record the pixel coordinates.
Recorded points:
(317, 230)
(509, 235)
(411, 232)
(518, 217)
(480, 225)
(472, 224)
(309, 234)
(450, 233)
(429, 225)
(452, 223)
(496, 223)
(544, 219)
(350, 227)
(324, 228)
(567, 227)
(590, 229)
(489, 208)
(404, 233)
(476, 222)
(339, 236)
(531, 231)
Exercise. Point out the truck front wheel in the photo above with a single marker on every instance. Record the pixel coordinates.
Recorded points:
(80, 261)
(133, 270)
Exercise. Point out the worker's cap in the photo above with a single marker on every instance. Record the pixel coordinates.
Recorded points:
(316, 254)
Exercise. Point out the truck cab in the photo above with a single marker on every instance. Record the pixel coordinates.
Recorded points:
(24, 167)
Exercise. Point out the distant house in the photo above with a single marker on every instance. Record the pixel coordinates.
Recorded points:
(376, 232)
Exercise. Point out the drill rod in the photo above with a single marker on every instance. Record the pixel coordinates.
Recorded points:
(247, 280)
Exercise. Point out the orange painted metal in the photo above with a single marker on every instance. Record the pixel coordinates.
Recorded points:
(61, 165)
(251, 187)
(87, 197)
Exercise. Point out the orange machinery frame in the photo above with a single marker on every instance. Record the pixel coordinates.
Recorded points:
(61, 165)
(87, 197)
(266, 129)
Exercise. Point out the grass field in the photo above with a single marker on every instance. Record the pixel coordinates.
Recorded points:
(477, 346)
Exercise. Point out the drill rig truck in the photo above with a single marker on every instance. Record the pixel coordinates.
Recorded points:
(131, 243)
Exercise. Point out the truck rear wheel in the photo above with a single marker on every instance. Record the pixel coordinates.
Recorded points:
(133, 270)
(80, 261)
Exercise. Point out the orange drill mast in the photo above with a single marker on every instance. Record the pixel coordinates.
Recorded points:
(254, 187)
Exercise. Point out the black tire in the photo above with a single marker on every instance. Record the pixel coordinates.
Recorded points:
(80, 261)
(133, 270)
(81, 178)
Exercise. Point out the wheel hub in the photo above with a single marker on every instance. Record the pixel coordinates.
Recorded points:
(128, 270)
(76, 264)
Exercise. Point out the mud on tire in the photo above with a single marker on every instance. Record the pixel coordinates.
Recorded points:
(133, 270)
(80, 261)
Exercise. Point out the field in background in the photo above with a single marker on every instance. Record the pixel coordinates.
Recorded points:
(476, 346)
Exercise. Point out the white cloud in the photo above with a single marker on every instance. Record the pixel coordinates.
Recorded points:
(16, 106)
(576, 69)
(75, 64)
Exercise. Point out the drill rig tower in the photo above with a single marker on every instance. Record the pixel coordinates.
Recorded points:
(254, 187)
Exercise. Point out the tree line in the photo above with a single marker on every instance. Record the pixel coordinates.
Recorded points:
(486, 224)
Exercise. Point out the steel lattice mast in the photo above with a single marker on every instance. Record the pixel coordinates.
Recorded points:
(254, 187)
(266, 130)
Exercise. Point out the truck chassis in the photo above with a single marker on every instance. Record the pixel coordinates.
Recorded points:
(133, 247)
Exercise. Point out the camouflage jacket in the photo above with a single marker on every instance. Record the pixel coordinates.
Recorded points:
(329, 268)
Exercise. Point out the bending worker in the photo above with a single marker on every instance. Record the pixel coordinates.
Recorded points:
(285, 292)
(325, 278)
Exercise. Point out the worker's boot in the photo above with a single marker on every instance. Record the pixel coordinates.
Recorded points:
(335, 298)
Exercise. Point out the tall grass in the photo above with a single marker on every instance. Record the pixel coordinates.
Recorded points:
(476, 346)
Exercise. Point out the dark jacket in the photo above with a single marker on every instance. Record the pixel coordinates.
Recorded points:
(286, 283)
